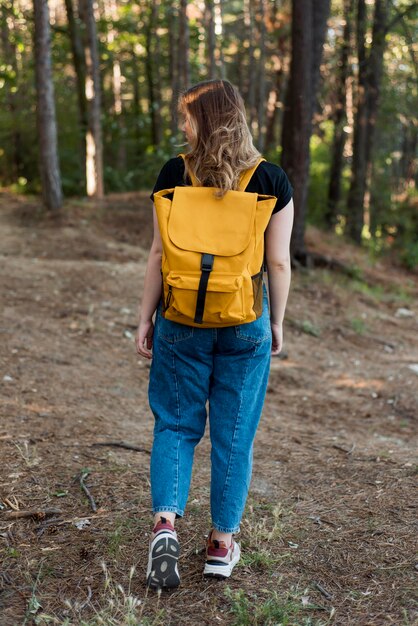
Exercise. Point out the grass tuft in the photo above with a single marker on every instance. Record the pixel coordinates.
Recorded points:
(121, 608)
(270, 611)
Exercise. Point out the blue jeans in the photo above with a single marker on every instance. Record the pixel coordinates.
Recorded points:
(228, 367)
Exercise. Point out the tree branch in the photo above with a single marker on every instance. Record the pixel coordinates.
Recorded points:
(399, 16)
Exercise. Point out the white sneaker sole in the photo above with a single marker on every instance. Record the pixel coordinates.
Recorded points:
(162, 570)
(217, 568)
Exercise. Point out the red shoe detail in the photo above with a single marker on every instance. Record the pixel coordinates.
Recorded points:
(163, 524)
(216, 548)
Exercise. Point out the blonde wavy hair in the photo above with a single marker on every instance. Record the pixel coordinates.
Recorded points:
(223, 146)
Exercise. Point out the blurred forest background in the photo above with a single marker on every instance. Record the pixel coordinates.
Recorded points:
(89, 89)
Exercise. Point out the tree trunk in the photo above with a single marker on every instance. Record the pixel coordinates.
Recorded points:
(355, 200)
(261, 104)
(370, 75)
(94, 161)
(275, 95)
(136, 101)
(152, 72)
(183, 47)
(210, 38)
(173, 68)
(340, 120)
(408, 163)
(80, 72)
(219, 54)
(320, 11)
(47, 128)
(252, 81)
(111, 13)
(241, 34)
(12, 96)
(297, 122)
(375, 71)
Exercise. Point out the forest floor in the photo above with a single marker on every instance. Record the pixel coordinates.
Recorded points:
(328, 534)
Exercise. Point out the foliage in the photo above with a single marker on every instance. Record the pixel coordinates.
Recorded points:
(131, 161)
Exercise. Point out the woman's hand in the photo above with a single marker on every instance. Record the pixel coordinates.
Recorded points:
(143, 339)
(277, 338)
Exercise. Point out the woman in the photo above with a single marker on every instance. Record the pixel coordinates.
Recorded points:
(228, 367)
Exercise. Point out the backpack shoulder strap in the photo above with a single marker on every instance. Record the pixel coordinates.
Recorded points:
(247, 174)
(244, 178)
(192, 176)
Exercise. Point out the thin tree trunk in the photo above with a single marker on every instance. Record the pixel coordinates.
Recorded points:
(173, 68)
(210, 38)
(111, 12)
(320, 11)
(408, 165)
(375, 72)
(273, 109)
(136, 103)
(94, 161)
(375, 67)
(47, 128)
(240, 60)
(340, 120)
(251, 87)
(183, 47)
(355, 200)
(261, 105)
(12, 95)
(80, 72)
(219, 55)
(152, 72)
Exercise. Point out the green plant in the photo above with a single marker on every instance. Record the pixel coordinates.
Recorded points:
(260, 559)
(13, 553)
(310, 329)
(409, 256)
(115, 541)
(262, 524)
(358, 325)
(271, 611)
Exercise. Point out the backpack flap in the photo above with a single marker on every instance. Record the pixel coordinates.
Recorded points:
(196, 215)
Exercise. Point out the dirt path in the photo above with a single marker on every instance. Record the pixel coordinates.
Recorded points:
(328, 536)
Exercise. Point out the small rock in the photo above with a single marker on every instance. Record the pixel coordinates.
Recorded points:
(82, 523)
(404, 313)
(414, 367)
(128, 334)
(7, 379)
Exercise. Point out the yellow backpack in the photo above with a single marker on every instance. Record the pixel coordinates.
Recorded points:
(213, 252)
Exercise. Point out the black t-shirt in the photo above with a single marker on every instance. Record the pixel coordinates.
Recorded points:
(268, 179)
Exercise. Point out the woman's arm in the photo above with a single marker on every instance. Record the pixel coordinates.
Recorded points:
(277, 242)
(151, 294)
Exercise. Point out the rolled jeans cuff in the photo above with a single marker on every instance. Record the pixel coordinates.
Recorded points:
(169, 509)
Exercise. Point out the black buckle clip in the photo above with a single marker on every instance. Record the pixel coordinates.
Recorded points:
(207, 262)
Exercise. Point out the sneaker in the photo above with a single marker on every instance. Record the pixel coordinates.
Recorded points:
(164, 550)
(220, 560)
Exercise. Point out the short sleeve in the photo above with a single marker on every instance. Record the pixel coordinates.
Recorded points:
(283, 191)
(170, 175)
